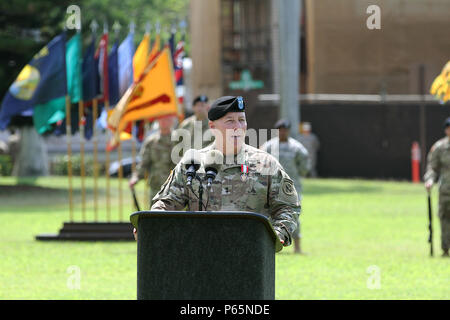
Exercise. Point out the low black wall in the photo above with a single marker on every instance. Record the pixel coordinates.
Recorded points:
(369, 140)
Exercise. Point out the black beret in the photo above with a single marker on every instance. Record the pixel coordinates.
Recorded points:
(447, 122)
(201, 98)
(226, 104)
(282, 123)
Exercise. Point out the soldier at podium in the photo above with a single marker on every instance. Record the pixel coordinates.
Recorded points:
(249, 179)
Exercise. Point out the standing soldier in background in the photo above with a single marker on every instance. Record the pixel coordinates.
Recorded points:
(197, 125)
(155, 157)
(312, 144)
(294, 159)
(438, 169)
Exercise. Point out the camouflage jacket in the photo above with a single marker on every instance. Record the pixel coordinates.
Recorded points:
(264, 189)
(155, 157)
(438, 164)
(293, 157)
(199, 133)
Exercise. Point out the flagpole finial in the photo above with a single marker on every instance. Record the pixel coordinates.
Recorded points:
(182, 24)
(93, 26)
(116, 27)
(105, 27)
(158, 27)
(173, 28)
(148, 27)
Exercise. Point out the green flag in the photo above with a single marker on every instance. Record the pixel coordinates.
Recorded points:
(46, 114)
(73, 66)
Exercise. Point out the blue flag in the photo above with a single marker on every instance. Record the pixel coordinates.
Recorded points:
(90, 73)
(41, 80)
(113, 75)
(172, 43)
(125, 62)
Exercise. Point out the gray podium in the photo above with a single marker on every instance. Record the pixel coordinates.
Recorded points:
(205, 255)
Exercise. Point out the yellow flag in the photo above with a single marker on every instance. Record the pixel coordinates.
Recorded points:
(151, 98)
(155, 48)
(440, 87)
(140, 57)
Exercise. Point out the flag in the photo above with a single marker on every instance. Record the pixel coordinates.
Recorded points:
(155, 48)
(178, 67)
(140, 57)
(47, 114)
(73, 68)
(41, 80)
(127, 133)
(113, 75)
(178, 63)
(440, 87)
(150, 98)
(102, 55)
(125, 62)
(172, 43)
(90, 73)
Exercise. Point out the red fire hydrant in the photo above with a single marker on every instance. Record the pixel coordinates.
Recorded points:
(415, 162)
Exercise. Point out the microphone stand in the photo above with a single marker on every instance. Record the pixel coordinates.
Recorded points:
(200, 193)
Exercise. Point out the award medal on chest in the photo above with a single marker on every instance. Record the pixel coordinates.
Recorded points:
(244, 172)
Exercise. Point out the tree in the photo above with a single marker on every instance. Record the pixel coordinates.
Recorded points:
(26, 26)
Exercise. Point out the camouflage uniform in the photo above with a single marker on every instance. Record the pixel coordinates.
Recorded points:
(266, 189)
(155, 157)
(312, 144)
(294, 159)
(438, 167)
(197, 131)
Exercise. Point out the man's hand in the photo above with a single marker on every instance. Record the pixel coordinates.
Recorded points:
(132, 182)
(429, 185)
(280, 237)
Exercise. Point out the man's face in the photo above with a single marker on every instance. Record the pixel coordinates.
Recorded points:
(166, 123)
(201, 110)
(283, 134)
(447, 131)
(230, 130)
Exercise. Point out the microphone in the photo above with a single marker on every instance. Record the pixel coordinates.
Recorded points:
(191, 161)
(213, 163)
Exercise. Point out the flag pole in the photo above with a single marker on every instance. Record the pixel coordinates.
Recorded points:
(95, 142)
(133, 152)
(116, 27)
(120, 177)
(81, 120)
(107, 163)
(94, 26)
(69, 156)
(108, 160)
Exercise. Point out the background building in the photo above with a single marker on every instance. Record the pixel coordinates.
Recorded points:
(366, 136)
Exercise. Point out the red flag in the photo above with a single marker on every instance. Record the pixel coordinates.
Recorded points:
(102, 55)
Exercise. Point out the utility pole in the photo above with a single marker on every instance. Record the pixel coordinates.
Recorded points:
(289, 12)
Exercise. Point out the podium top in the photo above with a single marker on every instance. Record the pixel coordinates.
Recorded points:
(136, 216)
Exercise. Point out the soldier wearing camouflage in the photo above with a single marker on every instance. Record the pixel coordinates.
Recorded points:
(294, 159)
(156, 160)
(438, 169)
(272, 195)
(249, 180)
(197, 126)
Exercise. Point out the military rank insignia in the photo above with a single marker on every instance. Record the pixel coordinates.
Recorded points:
(244, 172)
(240, 103)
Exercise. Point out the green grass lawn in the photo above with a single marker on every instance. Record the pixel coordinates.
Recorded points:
(364, 240)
